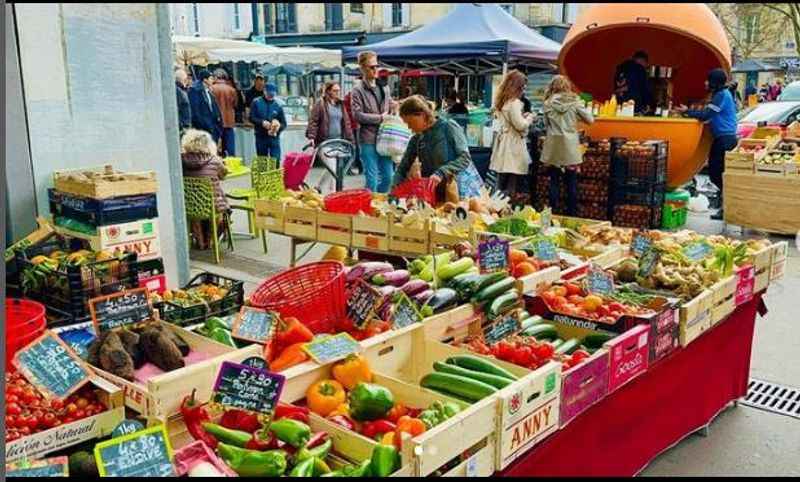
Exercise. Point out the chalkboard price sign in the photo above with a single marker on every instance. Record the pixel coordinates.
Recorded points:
(505, 326)
(405, 313)
(247, 388)
(254, 324)
(598, 281)
(361, 303)
(546, 218)
(120, 309)
(640, 243)
(545, 250)
(648, 262)
(493, 255)
(146, 453)
(697, 251)
(332, 348)
(52, 366)
(52, 467)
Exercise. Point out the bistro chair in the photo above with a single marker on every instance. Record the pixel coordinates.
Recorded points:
(198, 195)
(266, 181)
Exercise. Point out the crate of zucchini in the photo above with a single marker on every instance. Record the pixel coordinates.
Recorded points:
(206, 295)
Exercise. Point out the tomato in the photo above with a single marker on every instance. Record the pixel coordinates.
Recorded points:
(13, 409)
(616, 306)
(71, 409)
(24, 431)
(523, 356)
(29, 396)
(575, 299)
(549, 297)
(559, 301)
(11, 421)
(559, 290)
(56, 404)
(579, 355)
(82, 402)
(12, 399)
(34, 403)
(505, 351)
(572, 289)
(544, 351)
(49, 419)
(79, 414)
(602, 310)
(13, 390)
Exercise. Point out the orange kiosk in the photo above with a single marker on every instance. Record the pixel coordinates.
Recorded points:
(687, 37)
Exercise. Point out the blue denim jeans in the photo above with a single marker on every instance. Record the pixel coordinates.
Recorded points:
(267, 148)
(378, 170)
(229, 141)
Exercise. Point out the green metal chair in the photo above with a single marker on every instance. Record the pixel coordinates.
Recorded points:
(266, 181)
(198, 193)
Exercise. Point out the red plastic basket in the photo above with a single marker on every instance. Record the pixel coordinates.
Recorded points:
(25, 321)
(350, 201)
(314, 293)
(421, 188)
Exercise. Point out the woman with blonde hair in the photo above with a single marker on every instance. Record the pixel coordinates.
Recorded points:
(561, 150)
(199, 158)
(510, 156)
(437, 150)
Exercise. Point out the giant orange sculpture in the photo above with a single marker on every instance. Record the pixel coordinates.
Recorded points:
(685, 36)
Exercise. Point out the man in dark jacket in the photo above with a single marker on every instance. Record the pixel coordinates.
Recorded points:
(268, 122)
(254, 92)
(630, 82)
(184, 108)
(205, 111)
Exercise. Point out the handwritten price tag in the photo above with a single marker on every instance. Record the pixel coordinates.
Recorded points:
(405, 313)
(493, 255)
(502, 328)
(52, 366)
(545, 250)
(648, 262)
(254, 324)
(331, 348)
(598, 281)
(121, 309)
(146, 453)
(247, 388)
(640, 243)
(361, 303)
(52, 467)
(697, 251)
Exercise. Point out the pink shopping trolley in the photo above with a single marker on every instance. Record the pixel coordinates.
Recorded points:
(296, 166)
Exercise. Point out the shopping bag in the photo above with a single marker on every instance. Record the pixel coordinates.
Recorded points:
(393, 137)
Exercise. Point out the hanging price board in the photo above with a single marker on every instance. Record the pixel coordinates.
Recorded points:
(598, 281)
(493, 255)
(254, 324)
(247, 388)
(640, 243)
(52, 467)
(648, 262)
(120, 309)
(146, 453)
(331, 348)
(361, 303)
(405, 313)
(50, 365)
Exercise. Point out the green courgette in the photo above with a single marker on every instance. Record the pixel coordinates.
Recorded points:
(596, 340)
(494, 290)
(502, 303)
(493, 380)
(556, 342)
(454, 268)
(478, 364)
(542, 331)
(568, 346)
(531, 321)
(468, 388)
(489, 279)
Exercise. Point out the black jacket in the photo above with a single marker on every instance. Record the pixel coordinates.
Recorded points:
(184, 107)
(203, 117)
(630, 83)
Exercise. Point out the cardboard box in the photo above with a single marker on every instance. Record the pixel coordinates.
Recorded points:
(140, 237)
(629, 356)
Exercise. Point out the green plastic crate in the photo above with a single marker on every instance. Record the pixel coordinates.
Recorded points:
(675, 209)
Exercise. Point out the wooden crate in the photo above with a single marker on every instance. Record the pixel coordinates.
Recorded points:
(770, 134)
(779, 170)
(409, 240)
(270, 215)
(748, 197)
(441, 240)
(37, 445)
(335, 228)
(371, 233)
(780, 254)
(532, 282)
(576, 223)
(160, 396)
(695, 317)
(723, 299)
(609, 257)
(300, 223)
(738, 160)
(104, 182)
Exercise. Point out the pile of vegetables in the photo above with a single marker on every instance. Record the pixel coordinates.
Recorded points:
(523, 262)
(675, 273)
(571, 299)
(196, 295)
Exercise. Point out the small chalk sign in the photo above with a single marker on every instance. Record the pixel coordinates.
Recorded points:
(504, 327)
(546, 218)
(697, 251)
(598, 281)
(127, 427)
(640, 243)
(361, 303)
(146, 453)
(648, 262)
(405, 313)
(254, 324)
(331, 348)
(247, 388)
(493, 255)
(52, 467)
(50, 365)
(256, 362)
(120, 309)
(545, 250)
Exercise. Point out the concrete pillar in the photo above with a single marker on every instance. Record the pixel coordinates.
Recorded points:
(99, 89)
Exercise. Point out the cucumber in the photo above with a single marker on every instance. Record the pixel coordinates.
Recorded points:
(542, 331)
(478, 364)
(489, 279)
(531, 321)
(494, 290)
(454, 268)
(568, 346)
(493, 380)
(596, 340)
(468, 388)
(502, 303)
(556, 342)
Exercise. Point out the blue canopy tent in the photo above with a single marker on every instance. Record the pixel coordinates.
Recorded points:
(473, 39)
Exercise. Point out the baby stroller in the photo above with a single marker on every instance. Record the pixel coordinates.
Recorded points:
(337, 155)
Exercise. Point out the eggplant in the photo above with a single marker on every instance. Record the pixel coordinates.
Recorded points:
(414, 287)
(368, 269)
(442, 299)
(423, 297)
(398, 278)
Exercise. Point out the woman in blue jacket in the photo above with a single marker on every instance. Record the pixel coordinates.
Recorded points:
(720, 113)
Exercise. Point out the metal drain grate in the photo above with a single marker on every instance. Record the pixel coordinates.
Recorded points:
(773, 397)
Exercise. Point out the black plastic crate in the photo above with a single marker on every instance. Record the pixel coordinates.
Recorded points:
(646, 217)
(151, 267)
(649, 166)
(636, 192)
(69, 288)
(102, 212)
(198, 313)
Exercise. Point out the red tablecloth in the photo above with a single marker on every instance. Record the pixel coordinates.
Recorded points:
(621, 434)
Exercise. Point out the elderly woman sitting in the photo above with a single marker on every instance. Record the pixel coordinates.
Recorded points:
(199, 157)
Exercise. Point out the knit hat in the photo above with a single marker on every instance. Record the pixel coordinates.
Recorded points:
(717, 79)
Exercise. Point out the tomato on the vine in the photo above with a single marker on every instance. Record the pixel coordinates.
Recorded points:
(572, 289)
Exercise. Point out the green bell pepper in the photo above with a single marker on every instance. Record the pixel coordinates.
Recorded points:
(362, 470)
(222, 335)
(215, 322)
(370, 402)
(303, 469)
(385, 460)
(321, 451)
(237, 438)
(320, 467)
(291, 431)
(253, 463)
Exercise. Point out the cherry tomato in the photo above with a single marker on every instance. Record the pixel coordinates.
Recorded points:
(616, 306)
(56, 404)
(523, 356)
(505, 351)
(13, 390)
(602, 310)
(82, 403)
(79, 414)
(71, 409)
(13, 409)
(12, 398)
(49, 419)
(34, 403)
(11, 421)
(29, 396)
(544, 351)
(572, 289)
(579, 355)
(559, 290)
(24, 431)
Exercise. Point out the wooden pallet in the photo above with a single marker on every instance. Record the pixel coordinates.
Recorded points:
(104, 182)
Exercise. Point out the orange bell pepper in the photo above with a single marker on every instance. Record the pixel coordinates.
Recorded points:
(399, 410)
(351, 371)
(412, 426)
(290, 356)
(325, 396)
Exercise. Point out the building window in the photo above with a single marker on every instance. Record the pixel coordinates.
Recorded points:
(268, 19)
(751, 28)
(196, 18)
(285, 18)
(334, 16)
(237, 20)
(397, 14)
(356, 8)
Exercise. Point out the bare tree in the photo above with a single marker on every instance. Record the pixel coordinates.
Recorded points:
(752, 26)
(790, 12)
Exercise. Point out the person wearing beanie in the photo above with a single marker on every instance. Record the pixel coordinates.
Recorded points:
(720, 113)
(268, 122)
(206, 115)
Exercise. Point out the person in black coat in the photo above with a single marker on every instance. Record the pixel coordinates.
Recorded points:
(184, 107)
(631, 82)
(205, 111)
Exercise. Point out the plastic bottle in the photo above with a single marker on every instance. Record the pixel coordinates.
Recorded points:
(613, 106)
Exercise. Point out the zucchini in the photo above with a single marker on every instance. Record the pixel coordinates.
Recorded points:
(493, 380)
(524, 315)
(531, 321)
(494, 290)
(596, 340)
(443, 298)
(490, 279)
(542, 331)
(468, 388)
(568, 346)
(502, 303)
(556, 342)
(478, 364)
(454, 268)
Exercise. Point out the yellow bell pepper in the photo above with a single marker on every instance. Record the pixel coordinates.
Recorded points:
(351, 371)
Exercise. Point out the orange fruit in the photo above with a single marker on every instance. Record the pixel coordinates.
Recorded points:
(517, 256)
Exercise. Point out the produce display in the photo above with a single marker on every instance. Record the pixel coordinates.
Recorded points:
(50, 271)
(571, 299)
(205, 293)
(779, 158)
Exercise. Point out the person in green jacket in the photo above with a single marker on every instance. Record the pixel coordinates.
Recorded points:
(439, 146)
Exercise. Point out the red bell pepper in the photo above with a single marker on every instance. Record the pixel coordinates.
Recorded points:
(285, 410)
(262, 440)
(293, 332)
(343, 421)
(377, 427)
(240, 420)
(194, 414)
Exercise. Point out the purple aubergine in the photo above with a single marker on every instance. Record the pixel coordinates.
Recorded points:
(368, 269)
(415, 287)
(423, 297)
(398, 278)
